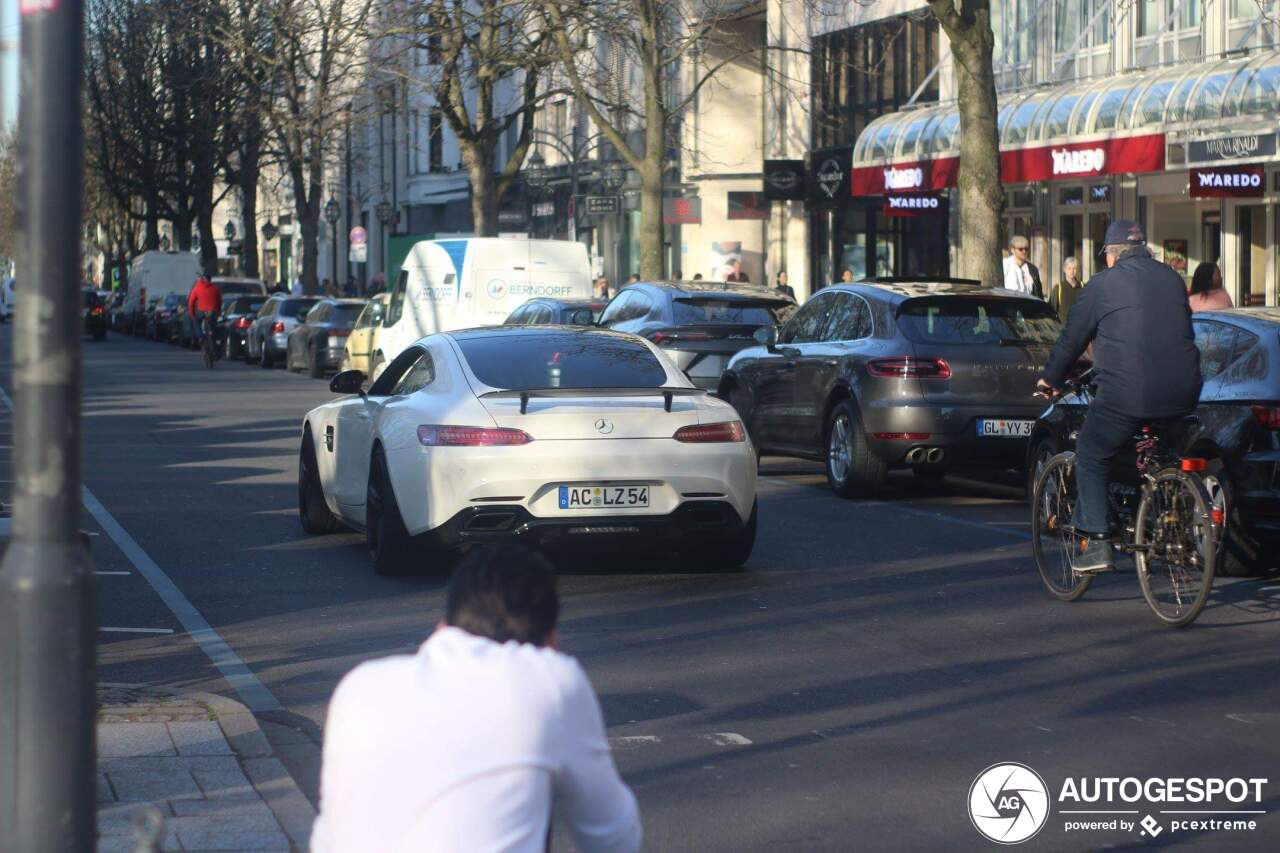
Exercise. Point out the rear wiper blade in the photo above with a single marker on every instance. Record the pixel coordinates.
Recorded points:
(1017, 342)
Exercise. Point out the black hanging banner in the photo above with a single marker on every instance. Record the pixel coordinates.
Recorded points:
(784, 180)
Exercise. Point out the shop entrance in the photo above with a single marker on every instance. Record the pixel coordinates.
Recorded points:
(1083, 214)
(1251, 259)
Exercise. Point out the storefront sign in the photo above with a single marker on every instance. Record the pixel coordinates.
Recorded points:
(1252, 146)
(748, 206)
(544, 210)
(914, 204)
(829, 175)
(1228, 182)
(907, 179)
(603, 205)
(1021, 165)
(682, 211)
(784, 180)
(1100, 193)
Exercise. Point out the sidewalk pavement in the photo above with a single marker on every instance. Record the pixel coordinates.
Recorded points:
(202, 762)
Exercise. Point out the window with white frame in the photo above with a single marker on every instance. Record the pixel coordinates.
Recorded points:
(1072, 18)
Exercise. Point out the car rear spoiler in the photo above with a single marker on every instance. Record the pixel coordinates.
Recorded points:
(668, 394)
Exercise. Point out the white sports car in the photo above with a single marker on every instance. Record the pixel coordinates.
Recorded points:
(554, 433)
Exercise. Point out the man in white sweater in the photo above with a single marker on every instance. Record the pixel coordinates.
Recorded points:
(470, 743)
(1019, 273)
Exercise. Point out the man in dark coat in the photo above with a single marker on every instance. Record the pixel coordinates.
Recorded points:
(1146, 365)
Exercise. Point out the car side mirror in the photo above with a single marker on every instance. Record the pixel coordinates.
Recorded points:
(347, 382)
(767, 337)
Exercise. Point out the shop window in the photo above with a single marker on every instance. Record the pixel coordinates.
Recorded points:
(1251, 227)
(1071, 195)
(1162, 16)
(1211, 236)
(1073, 17)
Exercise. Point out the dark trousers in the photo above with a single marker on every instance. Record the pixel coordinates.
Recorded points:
(1104, 434)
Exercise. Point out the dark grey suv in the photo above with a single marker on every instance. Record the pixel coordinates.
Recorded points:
(887, 373)
(699, 325)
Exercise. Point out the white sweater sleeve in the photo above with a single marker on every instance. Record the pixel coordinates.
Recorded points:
(590, 795)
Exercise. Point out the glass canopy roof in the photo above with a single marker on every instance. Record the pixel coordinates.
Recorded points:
(1240, 89)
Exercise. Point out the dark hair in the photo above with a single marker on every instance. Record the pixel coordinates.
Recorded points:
(504, 592)
(1202, 281)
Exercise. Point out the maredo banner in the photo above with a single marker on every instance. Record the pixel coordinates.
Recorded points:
(1042, 163)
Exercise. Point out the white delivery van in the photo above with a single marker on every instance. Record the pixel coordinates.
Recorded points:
(154, 274)
(475, 281)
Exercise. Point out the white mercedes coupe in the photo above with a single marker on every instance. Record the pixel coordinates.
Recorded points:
(555, 434)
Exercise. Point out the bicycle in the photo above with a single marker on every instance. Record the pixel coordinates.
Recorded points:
(1167, 523)
(208, 347)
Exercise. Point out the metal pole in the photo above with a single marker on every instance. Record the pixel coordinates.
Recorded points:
(47, 620)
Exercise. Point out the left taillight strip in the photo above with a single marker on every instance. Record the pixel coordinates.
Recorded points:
(444, 435)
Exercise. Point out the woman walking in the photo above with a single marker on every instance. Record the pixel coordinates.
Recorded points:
(1207, 292)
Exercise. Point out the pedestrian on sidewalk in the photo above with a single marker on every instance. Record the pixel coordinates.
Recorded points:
(1065, 292)
(1019, 273)
(782, 287)
(468, 744)
(298, 289)
(1207, 292)
(600, 289)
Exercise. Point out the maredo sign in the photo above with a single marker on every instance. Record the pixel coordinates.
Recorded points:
(1227, 182)
(1040, 163)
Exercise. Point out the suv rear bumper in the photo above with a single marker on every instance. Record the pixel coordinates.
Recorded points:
(951, 429)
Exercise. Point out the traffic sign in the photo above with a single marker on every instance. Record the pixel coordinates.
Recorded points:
(358, 236)
(603, 205)
(358, 253)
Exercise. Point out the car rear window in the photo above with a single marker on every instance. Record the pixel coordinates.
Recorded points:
(243, 305)
(521, 361)
(700, 310)
(233, 288)
(345, 315)
(969, 320)
(294, 307)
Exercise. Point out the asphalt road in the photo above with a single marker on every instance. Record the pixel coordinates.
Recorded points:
(841, 694)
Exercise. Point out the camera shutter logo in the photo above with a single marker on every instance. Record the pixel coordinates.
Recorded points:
(497, 289)
(604, 427)
(1008, 803)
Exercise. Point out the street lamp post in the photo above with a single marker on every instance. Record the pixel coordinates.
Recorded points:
(535, 175)
(269, 232)
(331, 214)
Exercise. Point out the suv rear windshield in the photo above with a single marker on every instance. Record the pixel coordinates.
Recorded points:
(294, 307)
(235, 288)
(974, 320)
(700, 310)
(245, 304)
(521, 362)
(345, 315)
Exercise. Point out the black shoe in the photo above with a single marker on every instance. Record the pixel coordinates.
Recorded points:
(1093, 554)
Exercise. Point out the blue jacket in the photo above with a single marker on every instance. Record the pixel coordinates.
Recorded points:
(1144, 352)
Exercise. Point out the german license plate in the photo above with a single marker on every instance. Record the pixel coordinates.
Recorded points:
(1000, 428)
(603, 497)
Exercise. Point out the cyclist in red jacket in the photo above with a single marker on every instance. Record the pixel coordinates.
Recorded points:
(205, 298)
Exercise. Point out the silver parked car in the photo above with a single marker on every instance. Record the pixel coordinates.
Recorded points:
(892, 373)
(268, 337)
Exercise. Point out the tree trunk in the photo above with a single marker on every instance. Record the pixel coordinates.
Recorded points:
(981, 193)
(250, 168)
(208, 241)
(650, 237)
(484, 188)
(152, 242)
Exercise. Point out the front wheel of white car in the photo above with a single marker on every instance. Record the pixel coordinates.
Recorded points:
(725, 555)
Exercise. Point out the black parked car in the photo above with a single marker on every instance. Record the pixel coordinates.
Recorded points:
(95, 315)
(1236, 427)
(317, 343)
(897, 373)
(163, 316)
(699, 325)
(238, 314)
(557, 312)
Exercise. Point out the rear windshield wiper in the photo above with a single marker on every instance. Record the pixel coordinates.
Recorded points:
(1017, 342)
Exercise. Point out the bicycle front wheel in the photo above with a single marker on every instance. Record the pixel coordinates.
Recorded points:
(1052, 537)
(1175, 547)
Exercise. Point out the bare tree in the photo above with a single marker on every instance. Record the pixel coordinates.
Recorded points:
(483, 62)
(637, 67)
(967, 24)
(317, 59)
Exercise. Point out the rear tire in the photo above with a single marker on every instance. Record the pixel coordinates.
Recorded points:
(853, 471)
(390, 546)
(725, 555)
(1175, 568)
(1045, 450)
(264, 361)
(313, 512)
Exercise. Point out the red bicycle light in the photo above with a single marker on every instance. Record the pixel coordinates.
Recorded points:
(1194, 465)
(1218, 517)
(708, 433)
(436, 435)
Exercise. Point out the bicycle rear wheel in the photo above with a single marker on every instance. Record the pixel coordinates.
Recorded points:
(1175, 547)
(1052, 536)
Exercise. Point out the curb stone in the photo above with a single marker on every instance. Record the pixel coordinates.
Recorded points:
(292, 810)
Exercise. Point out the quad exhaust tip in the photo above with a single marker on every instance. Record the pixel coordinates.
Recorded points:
(926, 455)
(935, 455)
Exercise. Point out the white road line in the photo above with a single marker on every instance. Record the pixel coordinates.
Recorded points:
(727, 739)
(137, 630)
(252, 691)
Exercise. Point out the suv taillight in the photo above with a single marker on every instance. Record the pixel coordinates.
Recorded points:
(674, 335)
(709, 433)
(243, 322)
(435, 435)
(906, 367)
(277, 328)
(1268, 416)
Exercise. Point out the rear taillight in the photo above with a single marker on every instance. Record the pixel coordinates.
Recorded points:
(277, 328)
(339, 333)
(674, 335)
(97, 312)
(902, 436)
(1268, 416)
(243, 322)
(906, 367)
(435, 435)
(708, 433)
